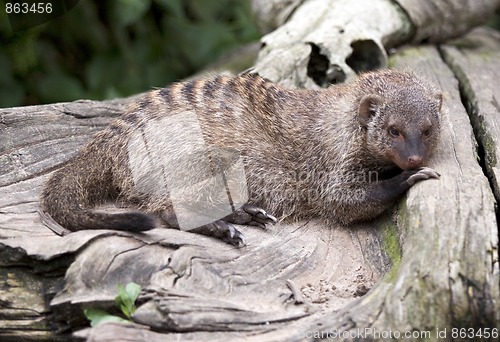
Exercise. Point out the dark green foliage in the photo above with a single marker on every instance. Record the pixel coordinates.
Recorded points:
(114, 48)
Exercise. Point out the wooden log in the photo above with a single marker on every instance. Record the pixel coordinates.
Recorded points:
(439, 20)
(450, 260)
(271, 14)
(33, 260)
(327, 42)
(448, 273)
(475, 61)
(432, 20)
(431, 266)
(320, 42)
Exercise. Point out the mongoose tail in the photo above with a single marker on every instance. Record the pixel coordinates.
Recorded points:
(72, 193)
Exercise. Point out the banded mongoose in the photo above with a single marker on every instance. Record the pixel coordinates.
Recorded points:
(304, 152)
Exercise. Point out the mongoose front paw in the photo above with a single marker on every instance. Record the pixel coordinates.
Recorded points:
(422, 173)
(251, 215)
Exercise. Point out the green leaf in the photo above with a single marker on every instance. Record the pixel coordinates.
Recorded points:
(125, 310)
(173, 6)
(127, 297)
(209, 11)
(96, 316)
(122, 299)
(130, 11)
(133, 291)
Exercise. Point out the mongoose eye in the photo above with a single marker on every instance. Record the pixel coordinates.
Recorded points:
(394, 132)
(427, 132)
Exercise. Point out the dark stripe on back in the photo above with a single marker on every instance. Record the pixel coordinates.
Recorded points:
(252, 82)
(131, 118)
(166, 95)
(251, 88)
(271, 93)
(189, 91)
(225, 100)
(230, 88)
(211, 87)
(145, 101)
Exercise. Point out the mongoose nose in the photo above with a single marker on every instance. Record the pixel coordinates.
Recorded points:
(415, 161)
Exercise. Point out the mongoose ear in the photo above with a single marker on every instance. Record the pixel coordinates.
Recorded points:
(368, 108)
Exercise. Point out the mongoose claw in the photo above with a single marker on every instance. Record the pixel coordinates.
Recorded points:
(251, 215)
(422, 174)
(259, 215)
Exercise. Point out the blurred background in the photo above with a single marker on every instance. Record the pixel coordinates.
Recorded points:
(114, 48)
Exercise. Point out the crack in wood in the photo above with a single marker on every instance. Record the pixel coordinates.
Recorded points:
(471, 105)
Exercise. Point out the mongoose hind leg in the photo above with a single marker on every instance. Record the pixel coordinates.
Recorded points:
(223, 229)
(218, 229)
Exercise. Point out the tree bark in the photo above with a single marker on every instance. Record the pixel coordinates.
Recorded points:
(438, 20)
(319, 42)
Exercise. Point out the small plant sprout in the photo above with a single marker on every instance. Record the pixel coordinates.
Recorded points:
(125, 301)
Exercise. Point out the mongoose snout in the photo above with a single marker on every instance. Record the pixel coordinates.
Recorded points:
(411, 152)
(415, 162)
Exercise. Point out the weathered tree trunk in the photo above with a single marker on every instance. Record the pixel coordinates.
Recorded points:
(432, 20)
(429, 265)
(319, 42)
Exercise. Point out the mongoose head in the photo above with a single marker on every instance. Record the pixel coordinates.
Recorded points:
(402, 121)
